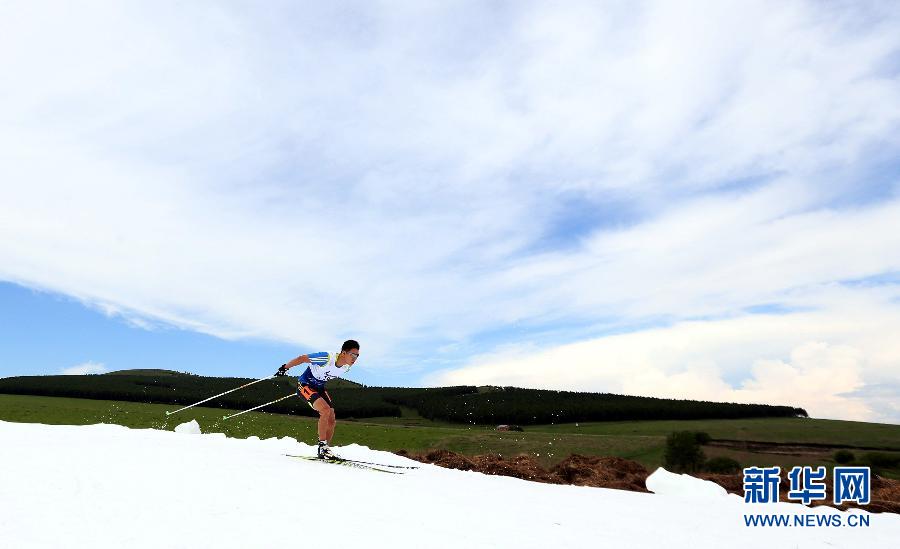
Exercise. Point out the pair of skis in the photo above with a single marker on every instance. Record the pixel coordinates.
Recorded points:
(356, 464)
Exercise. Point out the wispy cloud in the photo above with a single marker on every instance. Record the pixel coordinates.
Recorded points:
(434, 179)
(819, 360)
(85, 369)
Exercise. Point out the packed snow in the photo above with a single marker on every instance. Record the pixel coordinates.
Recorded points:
(110, 486)
(686, 486)
(190, 428)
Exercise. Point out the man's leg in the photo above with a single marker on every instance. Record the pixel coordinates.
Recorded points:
(331, 426)
(326, 419)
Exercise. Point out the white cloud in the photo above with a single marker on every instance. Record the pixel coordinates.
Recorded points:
(84, 369)
(823, 361)
(711, 256)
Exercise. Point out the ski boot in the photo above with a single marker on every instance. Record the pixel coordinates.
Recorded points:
(324, 452)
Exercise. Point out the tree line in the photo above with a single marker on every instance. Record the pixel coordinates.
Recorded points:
(463, 404)
(536, 406)
(187, 389)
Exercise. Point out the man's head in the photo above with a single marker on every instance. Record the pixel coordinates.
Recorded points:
(349, 351)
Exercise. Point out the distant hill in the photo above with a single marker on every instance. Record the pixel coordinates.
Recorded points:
(147, 372)
(344, 384)
(156, 372)
(170, 387)
(335, 383)
(464, 404)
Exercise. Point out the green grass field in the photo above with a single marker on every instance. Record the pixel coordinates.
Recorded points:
(641, 441)
(799, 430)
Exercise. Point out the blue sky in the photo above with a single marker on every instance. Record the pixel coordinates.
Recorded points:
(640, 198)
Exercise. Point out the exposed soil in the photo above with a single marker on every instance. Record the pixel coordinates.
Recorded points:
(782, 449)
(804, 447)
(623, 474)
(602, 472)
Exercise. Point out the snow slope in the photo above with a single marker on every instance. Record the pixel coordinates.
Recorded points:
(110, 486)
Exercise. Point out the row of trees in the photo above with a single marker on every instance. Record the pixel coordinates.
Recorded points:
(532, 406)
(463, 404)
(183, 390)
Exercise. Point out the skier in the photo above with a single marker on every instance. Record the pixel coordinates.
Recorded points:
(311, 386)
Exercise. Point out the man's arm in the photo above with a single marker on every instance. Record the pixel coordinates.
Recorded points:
(302, 359)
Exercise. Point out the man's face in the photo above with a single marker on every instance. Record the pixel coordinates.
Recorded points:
(351, 355)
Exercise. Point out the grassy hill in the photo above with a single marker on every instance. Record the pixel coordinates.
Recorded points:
(147, 372)
(182, 389)
(158, 372)
(464, 404)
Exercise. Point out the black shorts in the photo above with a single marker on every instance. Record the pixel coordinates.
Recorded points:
(311, 394)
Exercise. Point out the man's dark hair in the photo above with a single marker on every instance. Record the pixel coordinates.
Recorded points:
(349, 345)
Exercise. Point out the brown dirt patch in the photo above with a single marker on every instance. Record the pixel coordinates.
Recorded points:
(600, 472)
(606, 472)
(624, 474)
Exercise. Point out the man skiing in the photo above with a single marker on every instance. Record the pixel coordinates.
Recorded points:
(311, 386)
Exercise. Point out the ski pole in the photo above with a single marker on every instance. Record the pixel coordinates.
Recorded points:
(260, 406)
(218, 395)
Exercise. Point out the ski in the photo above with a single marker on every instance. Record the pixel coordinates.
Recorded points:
(348, 463)
(362, 462)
